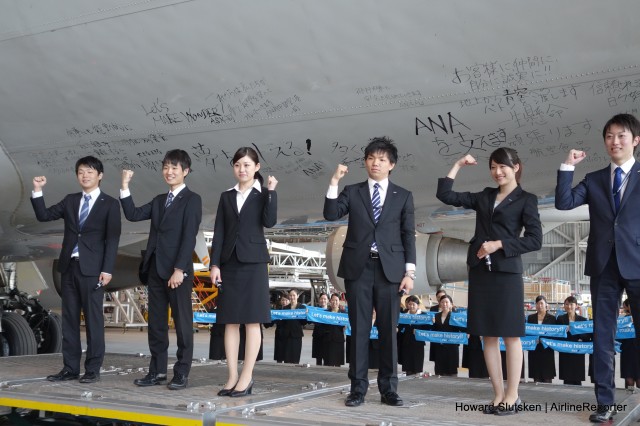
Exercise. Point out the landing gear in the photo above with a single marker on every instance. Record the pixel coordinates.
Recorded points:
(18, 335)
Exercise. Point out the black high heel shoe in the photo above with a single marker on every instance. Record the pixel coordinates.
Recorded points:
(226, 392)
(508, 410)
(245, 392)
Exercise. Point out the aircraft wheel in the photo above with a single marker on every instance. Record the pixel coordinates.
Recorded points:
(52, 334)
(18, 334)
(4, 346)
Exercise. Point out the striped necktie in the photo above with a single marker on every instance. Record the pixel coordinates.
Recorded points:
(377, 209)
(617, 186)
(169, 200)
(84, 212)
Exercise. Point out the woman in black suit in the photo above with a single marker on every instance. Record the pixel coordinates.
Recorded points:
(495, 266)
(571, 366)
(542, 361)
(446, 355)
(410, 350)
(629, 357)
(288, 336)
(333, 339)
(239, 261)
(319, 330)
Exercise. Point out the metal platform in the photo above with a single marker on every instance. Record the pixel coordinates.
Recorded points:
(282, 395)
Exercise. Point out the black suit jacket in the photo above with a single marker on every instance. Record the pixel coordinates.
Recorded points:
(519, 209)
(243, 230)
(608, 229)
(97, 241)
(172, 236)
(394, 233)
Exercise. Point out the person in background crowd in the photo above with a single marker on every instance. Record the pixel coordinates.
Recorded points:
(572, 366)
(495, 266)
(542, 364)
(288, 336)
(435, 308)
(333, 340)
(629, 357)
(446, 355)
(410, 350)
(319, 330)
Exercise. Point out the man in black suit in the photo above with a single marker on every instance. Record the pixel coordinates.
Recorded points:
(175, 220)
(88, 255)
(613, 258)
(378, 261)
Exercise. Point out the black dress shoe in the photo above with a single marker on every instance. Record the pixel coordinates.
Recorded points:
(178, 382)
(245, 392)
(151, 379)
(90, 377)
(505, 409)
(354, 399)
(63, 376)
(489, 409)
(391, 398)
(603, 415)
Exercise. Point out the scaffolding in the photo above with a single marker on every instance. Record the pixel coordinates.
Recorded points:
(125, 308)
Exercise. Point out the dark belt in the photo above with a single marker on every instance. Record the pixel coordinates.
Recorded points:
(374, 255)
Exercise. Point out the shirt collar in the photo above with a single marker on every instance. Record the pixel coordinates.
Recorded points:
(384, 184)
(626, 166)
(176, 191)
(94, 194)
(256, 185)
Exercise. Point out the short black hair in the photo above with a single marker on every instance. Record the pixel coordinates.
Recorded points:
(178, 156)
(413, 299)
(541, 297)
(91, 162)
(571, 299)
(382, 144)
(627, 121)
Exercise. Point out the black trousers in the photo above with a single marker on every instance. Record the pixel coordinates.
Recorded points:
(78, 293)
(161, 297)
(373, 290)
(606, 291)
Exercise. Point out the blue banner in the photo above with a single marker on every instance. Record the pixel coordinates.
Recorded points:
(204, 317)
(581, 327)
(626, 321)
(528, 343)
(372, 336)
(441, 337)
(425, 318)
(458, 319)
(288, 314)
(625, 333)
(568, 347)
(325, 317)
(550, 330)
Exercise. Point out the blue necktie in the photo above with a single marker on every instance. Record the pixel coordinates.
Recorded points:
(377, 209)
(169, 200)
(617, 184)
(84, 212)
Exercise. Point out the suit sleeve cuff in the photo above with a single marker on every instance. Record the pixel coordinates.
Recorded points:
(124, 193)
(35, 194)
(409, 267)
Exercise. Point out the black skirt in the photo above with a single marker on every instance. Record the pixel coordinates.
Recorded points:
(495, 303)
(244, 298)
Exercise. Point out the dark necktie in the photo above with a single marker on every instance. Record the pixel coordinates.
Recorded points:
(169, 200)
(377, 209)
(617, 184)
(84, 212)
